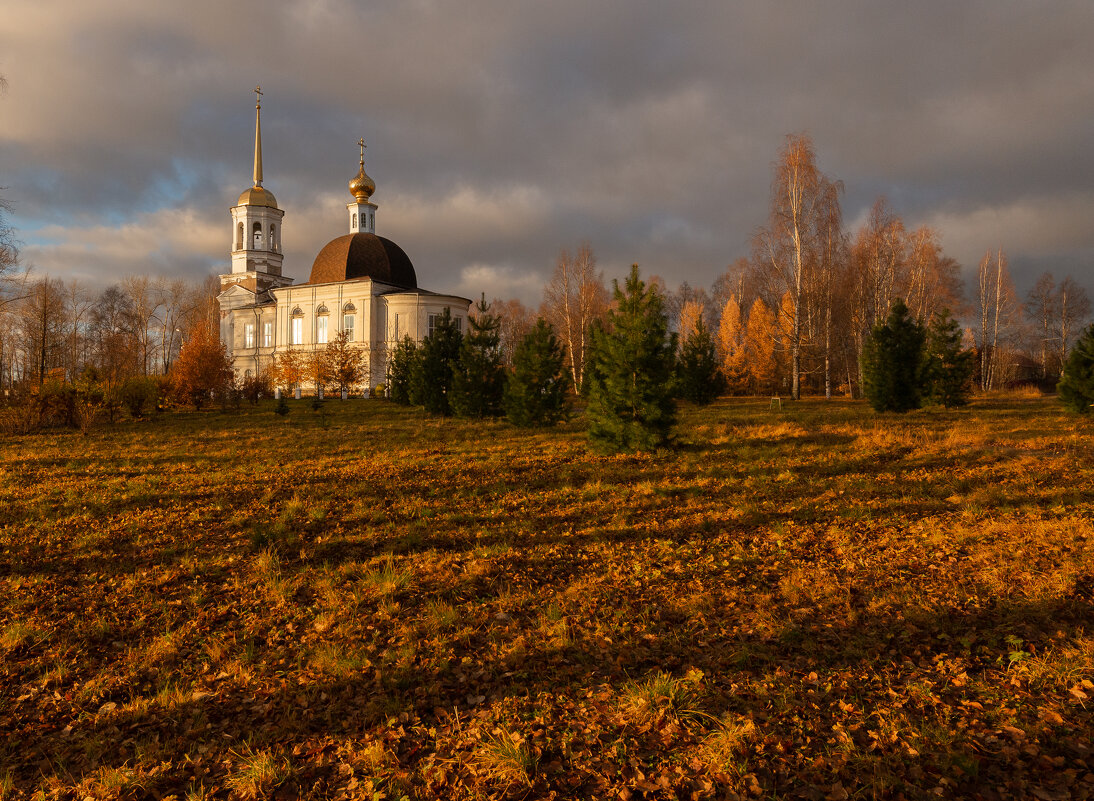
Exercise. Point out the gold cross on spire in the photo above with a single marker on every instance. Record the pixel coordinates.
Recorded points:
(362, 144)
(258, 97)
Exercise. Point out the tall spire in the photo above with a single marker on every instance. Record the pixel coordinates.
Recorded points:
(258, 136)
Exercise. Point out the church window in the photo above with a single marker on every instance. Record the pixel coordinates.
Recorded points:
(298, 330)
(355, 221)
(273, 239)
(396, 336)
(239, 237)
(249, 335)
(433, 323)
(347, 324)
(267, 335)
(258, 236)
(321, 330)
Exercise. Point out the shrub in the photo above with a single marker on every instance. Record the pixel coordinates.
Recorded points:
(253, 387)
(1076, 385)
(138, 394)
(56, 404)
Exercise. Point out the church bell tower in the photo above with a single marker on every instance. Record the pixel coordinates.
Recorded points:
(256, 229)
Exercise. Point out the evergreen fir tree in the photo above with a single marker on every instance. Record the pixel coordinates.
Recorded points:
(698, 378)
(535, 394)
(431, 376)
(478, 377)
(948, 369)
(892, 362)
(400, 367)
(630, 393)
(1076, 385)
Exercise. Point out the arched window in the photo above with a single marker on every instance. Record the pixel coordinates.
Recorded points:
(297, 326)
(258, 236)
(239, 237)
(349, 320)
(321, 318)
(354, 220)
(273, 239)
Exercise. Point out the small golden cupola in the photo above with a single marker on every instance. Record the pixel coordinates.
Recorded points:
(362, 187)
(361, 209)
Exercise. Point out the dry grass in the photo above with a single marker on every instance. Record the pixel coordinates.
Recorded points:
(789, 599)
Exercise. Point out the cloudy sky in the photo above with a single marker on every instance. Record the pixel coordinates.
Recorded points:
(500, 132)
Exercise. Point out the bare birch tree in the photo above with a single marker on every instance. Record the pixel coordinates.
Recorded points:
(1041, 309)
(575, 296)
(1000, 314)
(796, 197)
(1074, 309)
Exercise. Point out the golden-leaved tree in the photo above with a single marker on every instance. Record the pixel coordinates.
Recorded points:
(690, 315)
(203, 367)
(731, 347)
(760, 335)
(347, 363)
(288, 369)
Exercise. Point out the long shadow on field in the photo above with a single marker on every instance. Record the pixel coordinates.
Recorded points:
(791, 683)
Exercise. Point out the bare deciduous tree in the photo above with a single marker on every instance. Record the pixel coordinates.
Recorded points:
(783, 245)
(575, 296)
(1000, 315)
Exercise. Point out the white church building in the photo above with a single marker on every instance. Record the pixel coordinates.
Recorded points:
(360, 282)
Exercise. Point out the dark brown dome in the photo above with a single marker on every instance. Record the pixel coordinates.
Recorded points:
(363, 256)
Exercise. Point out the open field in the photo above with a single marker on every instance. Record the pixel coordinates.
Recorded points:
(367, 603)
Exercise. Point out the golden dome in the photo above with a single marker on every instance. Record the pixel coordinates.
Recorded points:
(257, 196)
(362, 187)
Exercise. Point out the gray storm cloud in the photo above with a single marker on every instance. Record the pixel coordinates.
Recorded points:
(501, 132)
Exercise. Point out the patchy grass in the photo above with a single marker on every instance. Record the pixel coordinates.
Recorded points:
(819, 602)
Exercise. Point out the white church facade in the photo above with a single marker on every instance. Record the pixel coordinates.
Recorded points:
(360, 283)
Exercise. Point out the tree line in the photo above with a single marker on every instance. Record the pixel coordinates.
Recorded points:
(793, 317)
(52, 329)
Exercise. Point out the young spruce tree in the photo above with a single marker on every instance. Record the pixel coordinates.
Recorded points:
(1076, 385)
(892, 362)
(478, 377)
(400, 367)
(631, 407)
(431, 376)
(948, 369)
(698, 378)
(536, 392)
